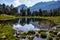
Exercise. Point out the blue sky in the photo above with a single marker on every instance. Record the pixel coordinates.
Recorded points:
(19, 2)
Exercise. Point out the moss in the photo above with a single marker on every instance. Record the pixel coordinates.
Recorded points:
(51, 31)
(23, 33)
(55, 33)
(31, 37)
(11, 38)
(57, 28)
(37, 34)
(43, 35)
(42, 31)
(23, 36)
(52, 35)
(57, 38)
(6, 31)
(49, 38)
(31, 32)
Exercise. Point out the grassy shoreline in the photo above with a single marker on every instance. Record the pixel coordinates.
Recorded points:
(9, 17)
(55, 18)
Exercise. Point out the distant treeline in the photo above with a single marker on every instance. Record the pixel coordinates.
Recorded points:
(53, 12)
(11, 10)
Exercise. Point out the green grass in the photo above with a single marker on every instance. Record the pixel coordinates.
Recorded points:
(6, 17)
(9, 17)
(58, 29)
(7, 31)
(55, 18)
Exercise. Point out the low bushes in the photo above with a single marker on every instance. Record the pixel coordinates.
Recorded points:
(23, 33)
(6, 32)
(31, 32)
(43, 35)
(31, 37)
(57, 38)
(42, 31)
(52, 35)
(37, 34)
(53, 32)
(49, 38)
(23, 36)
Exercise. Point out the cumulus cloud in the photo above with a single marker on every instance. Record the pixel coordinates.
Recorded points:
(26, 2)
(19, 2)
(29, 3)
(16, 2)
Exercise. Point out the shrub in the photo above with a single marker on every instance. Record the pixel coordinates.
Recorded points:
(43, 34)
(49, 38)
(51, 31)
(55, 33)
(23, 33)
(57, 38)
(42, 31)
(52, 35)
(37, 34)
(6, 32)
(31, 32)
(31, 37)
(23, 36)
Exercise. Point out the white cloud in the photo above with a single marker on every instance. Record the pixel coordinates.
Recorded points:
(33, 2)
(27, 2)
(19, 2)
(16, 2)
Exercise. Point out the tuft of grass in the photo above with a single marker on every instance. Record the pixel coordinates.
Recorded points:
(57, 38)
(37, 34)
(23, 36)
(49, 38)
(43, 35)
(31, 32)
(6, 32)
(6, 17)
(42, 31)
(31, 37)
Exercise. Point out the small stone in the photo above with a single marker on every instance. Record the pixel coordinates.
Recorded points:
(58, 33)
(3, 36)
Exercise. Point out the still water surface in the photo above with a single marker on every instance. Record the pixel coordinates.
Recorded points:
(26, 24)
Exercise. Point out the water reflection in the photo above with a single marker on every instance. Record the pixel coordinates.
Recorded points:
(29, 23)
(25, 28)
(26, 24)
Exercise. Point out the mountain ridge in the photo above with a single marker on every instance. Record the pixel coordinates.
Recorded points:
(41, 5)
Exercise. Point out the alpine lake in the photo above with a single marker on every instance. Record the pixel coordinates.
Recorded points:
(32, 28)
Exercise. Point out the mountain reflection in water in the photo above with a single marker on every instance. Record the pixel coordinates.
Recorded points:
(25, 28)
(26, 24)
